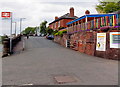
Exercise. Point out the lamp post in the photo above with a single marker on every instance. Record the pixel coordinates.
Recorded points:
(21, 23)
(15, 27)
(11, 35)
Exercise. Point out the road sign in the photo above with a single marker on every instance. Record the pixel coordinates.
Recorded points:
(6, 14)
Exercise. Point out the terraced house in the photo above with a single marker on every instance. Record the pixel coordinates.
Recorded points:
(60, 22)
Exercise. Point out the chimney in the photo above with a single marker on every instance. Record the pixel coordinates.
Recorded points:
(71, 12)
(56, 17)
(87, 12)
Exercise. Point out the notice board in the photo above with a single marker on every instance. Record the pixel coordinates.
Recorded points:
(114, 39)
(101, 42)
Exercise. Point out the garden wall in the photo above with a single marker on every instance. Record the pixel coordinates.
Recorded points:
(85, 42)
(110, 53)
(6, 45)
(61, 39)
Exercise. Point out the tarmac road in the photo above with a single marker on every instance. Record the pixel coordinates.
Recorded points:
(43, 59)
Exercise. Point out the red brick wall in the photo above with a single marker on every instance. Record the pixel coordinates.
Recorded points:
(110, 53)
(62, 23)
(61, 40)
(65, 21)
(85, 42)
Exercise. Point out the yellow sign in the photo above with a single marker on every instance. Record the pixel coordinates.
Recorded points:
(101, 42)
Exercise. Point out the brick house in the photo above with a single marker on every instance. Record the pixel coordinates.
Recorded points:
(60, 22)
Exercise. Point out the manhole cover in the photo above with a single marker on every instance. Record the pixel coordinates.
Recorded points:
(28, 84)
(65, 79)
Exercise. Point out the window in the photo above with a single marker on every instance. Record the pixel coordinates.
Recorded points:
(55, 25)
(59, 24)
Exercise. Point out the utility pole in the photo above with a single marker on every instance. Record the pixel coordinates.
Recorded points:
(21, 23)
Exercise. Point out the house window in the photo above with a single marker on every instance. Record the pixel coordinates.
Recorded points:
(59, 24)
(55, 25)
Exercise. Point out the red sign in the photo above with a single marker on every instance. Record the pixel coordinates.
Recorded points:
(6, 14)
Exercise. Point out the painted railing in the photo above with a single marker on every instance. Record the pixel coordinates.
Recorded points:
(110, 21)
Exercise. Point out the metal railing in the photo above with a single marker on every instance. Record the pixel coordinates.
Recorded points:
(96, 23)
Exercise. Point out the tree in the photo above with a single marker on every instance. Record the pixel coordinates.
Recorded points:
(43, 27)
(106, 6)
(29, 30)
(49, 31)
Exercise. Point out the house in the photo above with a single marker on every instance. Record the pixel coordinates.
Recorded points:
(60, 22)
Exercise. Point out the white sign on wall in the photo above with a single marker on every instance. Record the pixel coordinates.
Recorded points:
(114, 39)
(101, 42)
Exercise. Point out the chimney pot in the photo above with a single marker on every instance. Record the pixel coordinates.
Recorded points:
(87, 12)
(56, 17)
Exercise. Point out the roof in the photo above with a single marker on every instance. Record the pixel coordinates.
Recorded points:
(89, 15)
(66, 16)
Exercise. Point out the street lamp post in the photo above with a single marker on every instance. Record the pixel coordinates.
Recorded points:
(21, 23)
(11, 35)
(15, 27)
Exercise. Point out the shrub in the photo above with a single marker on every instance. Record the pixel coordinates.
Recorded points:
(60, 33)
(56, 34)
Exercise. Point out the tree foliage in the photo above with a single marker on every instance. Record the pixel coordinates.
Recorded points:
(107, 7)
(29, 30)
(49, 31)
(43, 28)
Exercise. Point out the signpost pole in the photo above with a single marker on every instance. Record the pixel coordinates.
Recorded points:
(8, 15)
(11, 35)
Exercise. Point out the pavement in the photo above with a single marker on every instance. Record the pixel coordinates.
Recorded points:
(19, 47)
(43, 60)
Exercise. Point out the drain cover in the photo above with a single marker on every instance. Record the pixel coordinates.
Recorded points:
(65, 79)
(28, 84)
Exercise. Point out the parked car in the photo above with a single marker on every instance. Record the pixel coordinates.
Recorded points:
(42, 35)
(50, 37)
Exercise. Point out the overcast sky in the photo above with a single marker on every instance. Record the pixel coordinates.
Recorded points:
(36, 11)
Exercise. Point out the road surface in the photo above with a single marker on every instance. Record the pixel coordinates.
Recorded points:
(43, 60)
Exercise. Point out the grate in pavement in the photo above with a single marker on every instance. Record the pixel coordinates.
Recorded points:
(28, 84)
(65, 79)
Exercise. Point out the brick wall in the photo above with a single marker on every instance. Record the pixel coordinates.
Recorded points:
(110, 53)
(85, 42)
(61, 40)
(62, 23)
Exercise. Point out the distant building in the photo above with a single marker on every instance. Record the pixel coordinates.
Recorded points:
(60, 22)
